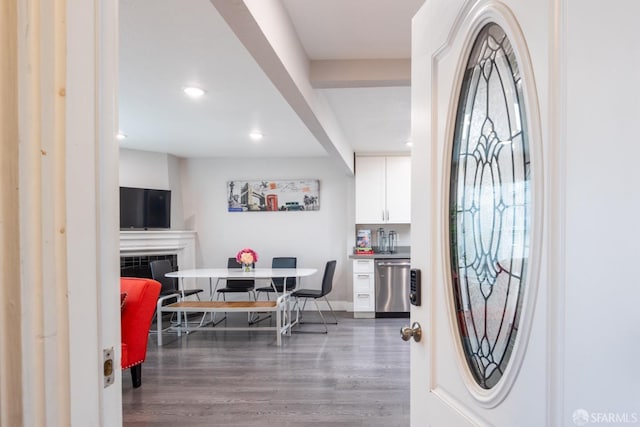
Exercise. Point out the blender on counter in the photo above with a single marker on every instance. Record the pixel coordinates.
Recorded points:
(392, 242)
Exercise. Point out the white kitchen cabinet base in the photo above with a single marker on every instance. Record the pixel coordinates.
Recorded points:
(363, 289)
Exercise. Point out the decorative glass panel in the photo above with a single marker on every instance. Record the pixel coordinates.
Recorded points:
(490, 206)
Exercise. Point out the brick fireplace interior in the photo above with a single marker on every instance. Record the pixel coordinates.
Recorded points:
(138, 266)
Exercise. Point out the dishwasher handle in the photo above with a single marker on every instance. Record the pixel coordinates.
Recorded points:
(394, 264)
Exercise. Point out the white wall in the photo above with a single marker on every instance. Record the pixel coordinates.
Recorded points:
(601, 201)
(144, 169)
(198, 202)
(313, 237)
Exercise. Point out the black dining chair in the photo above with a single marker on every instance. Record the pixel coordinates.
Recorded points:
(277, 283)
(170, 291)
(315, 294)
(233, 286)
(169, 284)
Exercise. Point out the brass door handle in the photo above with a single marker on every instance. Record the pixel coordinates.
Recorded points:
(414, 331)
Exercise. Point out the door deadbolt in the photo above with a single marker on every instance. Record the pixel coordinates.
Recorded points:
(414, 331)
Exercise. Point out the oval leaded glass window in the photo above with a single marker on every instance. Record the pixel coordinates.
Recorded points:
(489, 206)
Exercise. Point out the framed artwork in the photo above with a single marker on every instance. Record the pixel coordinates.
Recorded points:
(279, 195)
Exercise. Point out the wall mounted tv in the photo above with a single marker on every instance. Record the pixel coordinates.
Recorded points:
(144, 208)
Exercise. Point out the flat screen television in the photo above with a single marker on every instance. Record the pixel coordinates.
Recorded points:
(144, 208)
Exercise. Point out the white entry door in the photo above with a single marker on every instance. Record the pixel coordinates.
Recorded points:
(477, 219)
(524, 206)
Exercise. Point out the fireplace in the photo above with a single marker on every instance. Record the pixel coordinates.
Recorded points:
(138, 265)
(138, 248)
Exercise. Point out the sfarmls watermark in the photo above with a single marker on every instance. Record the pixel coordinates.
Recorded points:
(583, 417)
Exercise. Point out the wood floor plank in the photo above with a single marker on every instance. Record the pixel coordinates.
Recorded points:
(356, 375)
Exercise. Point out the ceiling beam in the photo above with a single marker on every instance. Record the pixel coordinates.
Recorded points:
(348, 73)
(264, 28)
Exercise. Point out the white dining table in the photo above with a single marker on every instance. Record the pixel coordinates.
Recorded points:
(282, 307)
(238, 273)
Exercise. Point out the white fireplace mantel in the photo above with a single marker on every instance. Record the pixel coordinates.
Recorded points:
(161, 242)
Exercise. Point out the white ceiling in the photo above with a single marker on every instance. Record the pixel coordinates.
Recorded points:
(354, 29)
(168, 44)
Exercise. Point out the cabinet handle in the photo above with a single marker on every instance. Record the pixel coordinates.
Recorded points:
(383, 214)
(363, 276)
(363, 295)
(394, 264)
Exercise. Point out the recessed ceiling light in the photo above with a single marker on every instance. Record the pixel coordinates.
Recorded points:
(193, 92)
(409, 143)
(256, 136)
(120, 136)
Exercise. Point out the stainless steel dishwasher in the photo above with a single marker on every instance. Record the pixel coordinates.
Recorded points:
(392, 279)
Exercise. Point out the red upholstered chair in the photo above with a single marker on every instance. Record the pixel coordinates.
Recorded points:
(138, 303)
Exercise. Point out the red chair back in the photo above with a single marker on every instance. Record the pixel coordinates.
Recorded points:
(136, 315)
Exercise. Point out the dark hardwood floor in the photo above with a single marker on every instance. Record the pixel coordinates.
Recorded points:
(356, 375)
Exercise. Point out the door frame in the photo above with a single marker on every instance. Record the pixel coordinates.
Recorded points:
(66, 81)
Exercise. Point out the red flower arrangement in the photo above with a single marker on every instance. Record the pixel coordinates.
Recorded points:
(246, 257)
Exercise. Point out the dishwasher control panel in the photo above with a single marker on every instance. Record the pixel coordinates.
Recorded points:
(414, 291)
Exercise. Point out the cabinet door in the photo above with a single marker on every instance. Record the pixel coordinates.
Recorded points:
(370, 190)
(398, 189)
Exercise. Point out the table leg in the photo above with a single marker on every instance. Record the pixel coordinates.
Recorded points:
(279, 326)
(290, 319)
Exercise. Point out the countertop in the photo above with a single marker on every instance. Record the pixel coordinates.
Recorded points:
(402, 252)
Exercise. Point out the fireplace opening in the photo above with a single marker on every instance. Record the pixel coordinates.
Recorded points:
(138, 266)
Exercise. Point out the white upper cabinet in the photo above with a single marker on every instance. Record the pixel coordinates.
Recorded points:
(398, 190)
(370, 190)
(383, 189)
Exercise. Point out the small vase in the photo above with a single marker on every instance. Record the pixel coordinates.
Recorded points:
(246, 268)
